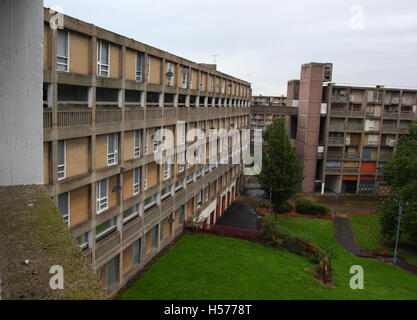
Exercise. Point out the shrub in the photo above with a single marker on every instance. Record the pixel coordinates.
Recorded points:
(303, 205)
(306, 206)
(284, 207)
(294, 245)
(264, 204)
(270, 228)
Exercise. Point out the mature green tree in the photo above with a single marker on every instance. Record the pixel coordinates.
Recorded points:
(401, 176)
(281, 169)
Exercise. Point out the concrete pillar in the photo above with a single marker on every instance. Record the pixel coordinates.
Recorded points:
(21, 77)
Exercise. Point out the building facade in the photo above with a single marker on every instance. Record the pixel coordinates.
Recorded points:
(346, 133)
(105, 97)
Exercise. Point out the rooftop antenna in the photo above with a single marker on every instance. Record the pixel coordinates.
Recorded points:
(215, 57)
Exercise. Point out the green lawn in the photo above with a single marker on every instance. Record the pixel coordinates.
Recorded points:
(210, 267)
(367, 234)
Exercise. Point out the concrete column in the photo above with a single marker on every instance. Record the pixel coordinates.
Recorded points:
(21, 78)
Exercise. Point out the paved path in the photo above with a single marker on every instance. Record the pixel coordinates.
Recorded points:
(344, 236)
(240, 216)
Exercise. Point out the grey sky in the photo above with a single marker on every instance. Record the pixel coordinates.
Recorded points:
(265, 41)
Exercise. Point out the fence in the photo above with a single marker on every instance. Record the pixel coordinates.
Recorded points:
(223, 230)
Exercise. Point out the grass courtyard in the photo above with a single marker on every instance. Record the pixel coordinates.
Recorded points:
(211, 267)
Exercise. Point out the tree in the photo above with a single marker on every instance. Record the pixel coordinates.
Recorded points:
(281, 169)
(401, 176)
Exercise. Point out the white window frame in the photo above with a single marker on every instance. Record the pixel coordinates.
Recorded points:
(151, 204)
(66, 217)
(167, 171)
(148, 67)
(66, 59)
(136, 181)
(109, 229)
(178, 187)
(112, 157)
(62, 168)
(181, 166)
(199, 199)
(166, 195)
(135, 213)
(137, 148)
(184, 83)
(103, 70)
(85, 244)
(102, 203)
(170, 68)
(145, 177)
(138, 73)
(191, 77)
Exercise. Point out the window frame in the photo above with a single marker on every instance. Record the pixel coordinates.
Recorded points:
(113, 155)
(64, 165)
(139, 73)
(67, 57)
(107, 231)
(136, 181)
(100, 200)
(67, 216)
(100, 71)
(137, 146)
(135, 213)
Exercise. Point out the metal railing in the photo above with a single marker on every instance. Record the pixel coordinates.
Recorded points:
(340, 140)
(108, 116)
(74, 118)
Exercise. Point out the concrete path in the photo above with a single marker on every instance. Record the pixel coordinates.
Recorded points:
(344, 236)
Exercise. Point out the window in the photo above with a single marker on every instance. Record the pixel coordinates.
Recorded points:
(155, 141)
(102, 196)
(199, 173)
(148, 69)
(61, 159)
(83, 241)
(139, 65)
(112, 271)
(106, 228)
(154, 237)
(373, 139)
(185, 73)
(200, 199)
(181, 161)
(103, 59)
(136, 251)
(138, 143)
(179, 184)
(207, 193)
(63, 206)
(170, 74)
(131, 213)
(191, 77)
(62, 51)
(112, 149)
(136, 181)
(212, 84)
(190, 178)
(150, 202)
(181, 214)
(166, 192)
(145, 177)
(167, 171)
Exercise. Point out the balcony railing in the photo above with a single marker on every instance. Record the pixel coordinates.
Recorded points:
(107, 244)
(385, 157)
(350, 169)
(352, 156)
(407, 115)
(403, 129)
(74, 118)
(134, 115)
(153, 113)
(390, 115)
(356, 113)
(108, 116)
(354, 127)
(338, 112)
(388, 128)
(340, 140)
(333, 169)
(335, 155)
(47, 119)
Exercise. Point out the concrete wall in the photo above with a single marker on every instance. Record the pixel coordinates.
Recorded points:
(21, 130)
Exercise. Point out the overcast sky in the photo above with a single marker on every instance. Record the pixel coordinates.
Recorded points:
(266, 41)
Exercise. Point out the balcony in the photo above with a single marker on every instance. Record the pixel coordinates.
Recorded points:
(131, 228)
(352, 156)
(337, 141)
(339, 99)
(390, 114)
(334, 155)
(350, 169)
(403, 129)
(333, 169)
(337, 127)
(388, 128)
(407, 115)
(108, 116)
(354, 127)
(169, 112)
(338, 112)
(134, 114)
(107, 244)
(356, 113)
(153, 113)
(385, 157)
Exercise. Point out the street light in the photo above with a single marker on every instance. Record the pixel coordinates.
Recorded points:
(270, 200)
(400, 212)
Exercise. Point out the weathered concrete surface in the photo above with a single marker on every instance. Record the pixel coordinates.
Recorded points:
(33, 238)
(21, 130)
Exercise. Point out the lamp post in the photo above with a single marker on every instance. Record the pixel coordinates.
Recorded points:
(270, 200)
(400, 212)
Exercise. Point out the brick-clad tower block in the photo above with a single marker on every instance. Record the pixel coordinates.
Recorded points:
(310, 97)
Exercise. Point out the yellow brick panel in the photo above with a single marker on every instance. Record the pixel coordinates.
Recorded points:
(128, 184)
(130, 65)
(79, 53)
(101, 151)
(79, 205)
(77, 157)
(114, 61)
(129, 144)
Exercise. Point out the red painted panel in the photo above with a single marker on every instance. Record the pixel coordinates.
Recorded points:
(368, 168)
